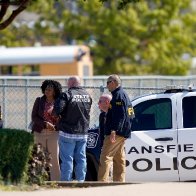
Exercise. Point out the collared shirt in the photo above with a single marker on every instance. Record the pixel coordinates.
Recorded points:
(48, 116)
(73, 136)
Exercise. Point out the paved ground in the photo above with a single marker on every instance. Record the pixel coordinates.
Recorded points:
(144, 189)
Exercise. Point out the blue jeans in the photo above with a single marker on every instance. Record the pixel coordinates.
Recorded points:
(69, 150)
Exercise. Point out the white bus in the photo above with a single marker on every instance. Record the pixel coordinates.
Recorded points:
(46, 60)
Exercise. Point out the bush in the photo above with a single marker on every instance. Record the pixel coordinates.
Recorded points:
(39, 165)
(15, 150)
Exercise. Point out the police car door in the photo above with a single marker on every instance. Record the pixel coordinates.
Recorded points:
(151, 151)
(186, 117)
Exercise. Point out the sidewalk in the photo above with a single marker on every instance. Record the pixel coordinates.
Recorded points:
(143, 189)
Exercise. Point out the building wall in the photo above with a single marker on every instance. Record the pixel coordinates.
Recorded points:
(81, 68)
(59, 69)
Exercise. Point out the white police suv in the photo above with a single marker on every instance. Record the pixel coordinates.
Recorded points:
(162, 146)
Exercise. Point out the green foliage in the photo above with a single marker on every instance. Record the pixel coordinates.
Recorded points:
(148, 37)
(121, 3)
(15, 150)
(39, 165)
(20, 160)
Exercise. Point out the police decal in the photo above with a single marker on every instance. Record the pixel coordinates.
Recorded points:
(187, 162)
(81, 98)
(92, 139)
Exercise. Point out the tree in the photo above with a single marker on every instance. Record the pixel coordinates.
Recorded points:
(5, 4)
(23, 4)
(22, 34)
(149, 37)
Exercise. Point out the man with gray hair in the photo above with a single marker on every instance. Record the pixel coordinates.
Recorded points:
(117, 129)
(73, 108)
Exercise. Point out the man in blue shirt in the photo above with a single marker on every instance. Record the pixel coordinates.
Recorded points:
(117, 129)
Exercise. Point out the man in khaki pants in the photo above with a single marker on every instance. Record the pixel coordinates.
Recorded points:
(117, 129)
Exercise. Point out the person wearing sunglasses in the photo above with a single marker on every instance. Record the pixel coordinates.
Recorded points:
(117, 129)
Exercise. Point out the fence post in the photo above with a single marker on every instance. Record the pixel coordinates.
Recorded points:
(101, 88)
(26, 103)
(4, 103)
(140, 86)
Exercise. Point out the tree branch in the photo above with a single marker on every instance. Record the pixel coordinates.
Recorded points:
(21, 7)
(4, 8)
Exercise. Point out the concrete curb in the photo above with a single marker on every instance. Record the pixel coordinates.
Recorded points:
(75, 184)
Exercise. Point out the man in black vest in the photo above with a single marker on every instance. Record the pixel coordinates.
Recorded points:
(73, 108)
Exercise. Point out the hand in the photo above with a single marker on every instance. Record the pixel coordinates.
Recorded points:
(50, 126)
(113, 136)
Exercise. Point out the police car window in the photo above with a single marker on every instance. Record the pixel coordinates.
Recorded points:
(189, 112)
(152, 115)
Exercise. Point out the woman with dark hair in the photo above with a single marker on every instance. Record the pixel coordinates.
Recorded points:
(44, 123)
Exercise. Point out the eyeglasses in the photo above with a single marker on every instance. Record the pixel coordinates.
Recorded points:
(109, 82)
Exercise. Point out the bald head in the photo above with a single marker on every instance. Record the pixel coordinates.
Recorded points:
(106, 97)
(73, 81)
(104, 102)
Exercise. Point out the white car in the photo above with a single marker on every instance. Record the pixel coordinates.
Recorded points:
(162, 146)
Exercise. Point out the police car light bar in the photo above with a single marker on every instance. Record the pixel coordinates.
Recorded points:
(190, 87)
(171, 87)
(175, 88)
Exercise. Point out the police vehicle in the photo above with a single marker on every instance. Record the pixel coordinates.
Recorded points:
(162, 146)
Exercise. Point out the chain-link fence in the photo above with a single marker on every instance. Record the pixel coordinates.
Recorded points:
(17, 94)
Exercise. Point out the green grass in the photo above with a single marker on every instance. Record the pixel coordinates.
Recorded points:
(21, 187)
(26, 187)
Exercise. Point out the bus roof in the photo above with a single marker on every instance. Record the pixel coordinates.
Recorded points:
(39, 55)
